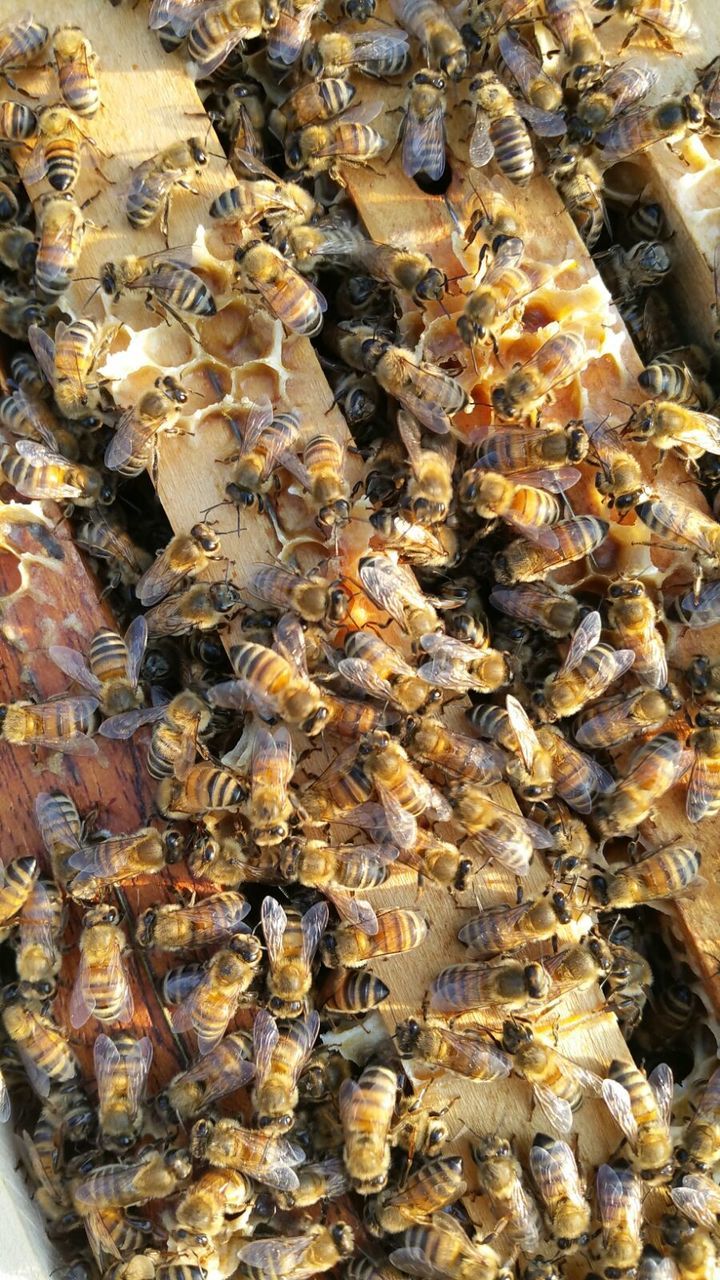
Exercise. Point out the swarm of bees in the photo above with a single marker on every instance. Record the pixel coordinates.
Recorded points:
(457, 628)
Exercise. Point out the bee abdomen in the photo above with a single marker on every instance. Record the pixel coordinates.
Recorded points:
(513, 149)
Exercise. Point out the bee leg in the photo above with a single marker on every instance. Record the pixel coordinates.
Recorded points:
(631, 33)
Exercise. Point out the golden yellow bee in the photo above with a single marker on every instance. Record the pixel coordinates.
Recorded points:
(170, 286)
(588, 670)
(22, 40)
(45, 1052)
(366, 1111)
(153, 1176)
(336, 870)
(669, 121)
(351, 946)
(102, 988)
(512, 985)
(633, 618)
(276, 683)
(323, 1181)
(690, 1250)
(654, 767)
(112, 669)
(380, 671)
(185, 555)
(502, 928)
(466, 1052)
(423, 126)
(619, 719)
(225, 1144)
(279, 1058)
(287, 295)
(523, 392)
(176, 736)
(266, 198)
(498, 299)
(152, 182)
(442, 44)
(57, 154)
(422, 388)
(668, 20)
(111, 861)
(356, 991)
(212, 1200)
(201, 607)
(498, 832)
(291, 940)
(392, 586)
(316, 1250)
(17, 883)
(428, 1190)
(38, 472)
(535, 457)
(641, 1107)
(68, 361)
(500, 1178)
(523, 561)
(121, 1067)
(620, 1205)
(584, 55)
(62, 725)
(555, 1174)
(664, 873)
(62, 228)
(40, 926)
(443, 1246)
(542, 92)
(134, 446)
(219, 1072)
(313, 598)
(429, 487)
(541, 605)
(669, 425)
(218, 30)
(215, 1000)
(174, 927)
(76, 66)
(701, 1141)
(499, 130)
(559, 1085)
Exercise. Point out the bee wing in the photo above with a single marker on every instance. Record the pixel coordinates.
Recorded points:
(136, 638)
(73, 664)
(523, 730)
(509, 854)
(557, 1110)
(373, 45)
(43, 348)
(357, 910)
(135, 1064)
(617, 1101)
(481, 149)
(546, 124)
(265, 1038)
(415, 1262)
(525, 1219)
(82, 1002)
(222, 50)
(662, 1084)
(446, 674)
(360, 673)
(362, 113)
(39, 1079)
(125, 724)
(555, 1166)
(699, 1199)
(447, 646)
(290, 642)
(49, 815)
(314, 924)
(585, 638)
(36, 917)
(402, 824)
(558, 481)
(5, 1104)
(279, 1256)
(423, 149)
(274, 924)
(39, 416)
(702, 789)
(37, 165)
(181, 14)
(157, 581)
(131, 439)
(616, 1201)
(382, 579)
(627, 85)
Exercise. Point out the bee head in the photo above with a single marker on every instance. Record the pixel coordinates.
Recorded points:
(197, 150)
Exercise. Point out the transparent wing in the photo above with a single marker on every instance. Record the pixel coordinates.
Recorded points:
(5, 1104)
(557, 1110)
(43, 348)
(265, 1038)
(72, 662)
(546, 124)
(180, 13)
(157, 581)
(481, 150)
(423, 149)
(280, 1256)
(357, 910)
(555, 1166)
(274, 924)
(125, 724)
(617, 1101)
(50, 815)
(702, 789)
(314, 924)
(523, 730)
(585, 638)
(662, 1084)
(619, 1199)
(136, 638)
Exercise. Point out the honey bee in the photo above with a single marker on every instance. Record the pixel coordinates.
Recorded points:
(543, 94)
(423, 389)
(311, 1253)
(654, 767)
(527, 510)
(121, 1068)
(185, 556)
(443, 1247)
(456, 665)
(380, 671)
(559, 1085)
(427, 1191)
(267, 441)
(503, 928)
(264, 198)
(203, 788)
(560, 1189)
(498, 832)
(174, 927)
(170, 287)
(242, 115)
(461, 757)
(153, 1176)
(641, 1108)
(356, 991)
(323, 460)
(201, 607)
(134, 445)
(321, 148)
(670, 121)
(325, 1180)
(588, 670)
(225, 1144)
(214, 1001)
(279, 1058)
(392, 586)
(534, 457)
(502, 290)
(633, 618)
(465, 1052)
(41, 921)
(500, 1178)
(17, 883)
(500, 130)
(287, 295)
(38, 472)
(22, 39)
(62, 228)
(102, 989)
(219, 29)
(218, 1073)
(19, 314)
(152, 182)
(676, 382)
(527, 387)
(57, 154)
(664, 873)
(442, 44)
(112, 670)
(669, 425)
(423, 127)
(698, 610)
(44, 1051)
(64, 724)
(336, 869)
(403, 791)
(350, 946)
(76, 66)
(18, 122)
(429, 488)
(313, 598)
(703, 800)
(574, 29)
(672, 518)
(175, 736)
(668, 20)
(272, 768)
(277, 684)
(701, 1140)
(620, 1205)
(213, 1199)
(374, 53)
(692, 1250)
(616, 720)
(513, 985)
(620, 478)
(366, 1112)
(578, 180)
(291, 941)
(109, 862)
(68, 361)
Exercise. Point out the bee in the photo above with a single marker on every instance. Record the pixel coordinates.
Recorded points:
(19, 314)
(201, 607)
(543, 94)
(65, 724)
(533, 457)
(242, 115)
(429, 488)
(62, 228)
(527, 510)
(588, 670)
(185, 556)
(220, 28)
(313, 598)
(668, 20)
(38, 472)
(212, 1200)
(323, 460)
(311, 1253)
(279, 1058)
(696, 611)
(703, 797)
(276, 685)
(264, 199)
(17, 884)
(701, 1140)
(674, 426)
(461, 757)
(326, 1180)
(430, 1189)
(349, 946)
(272, 768)
(204, 788)
(620, 1205)
(374, 53)
(641, 1107)
(215, 1000)
(44, 1051)
(692, 1251)
(216, 1074)
(175, 736)
(291, 941)
(584, 53)
(267, 441)
(675, 519)
(422, 388)
(556, 1176)
(627, 271)
(633, 618)
(153, 1176)
(68, 362)
(356, 991)
(121, 1068)
(112, 670)
(41, 921)
(654, 767)
(336, 869)
(559, 1085)
(708, 86)
(134, 445)
(527, 387)
(76, 66)
(675, 382)
(664, 873)
(620, 478)
(442, 44)
(466, 1052)
(503, 928)
(579, 182)
(456, 665)
(393, 586)
(366, 1112)
(225, 1144)
(443, 1247)
(21, 41)
(109, 862)
(174, 927)
(102, 989)
(57, 154)
(312, 103)
(514, 986)
(499, 130)
(616, 720)
(500, 1178)
(498, 832)
(152, 182)
(61, 829)
(670, 121)
(499, 296)
(287, 295)
(18, 122)
(169, 286)
(423, 127)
